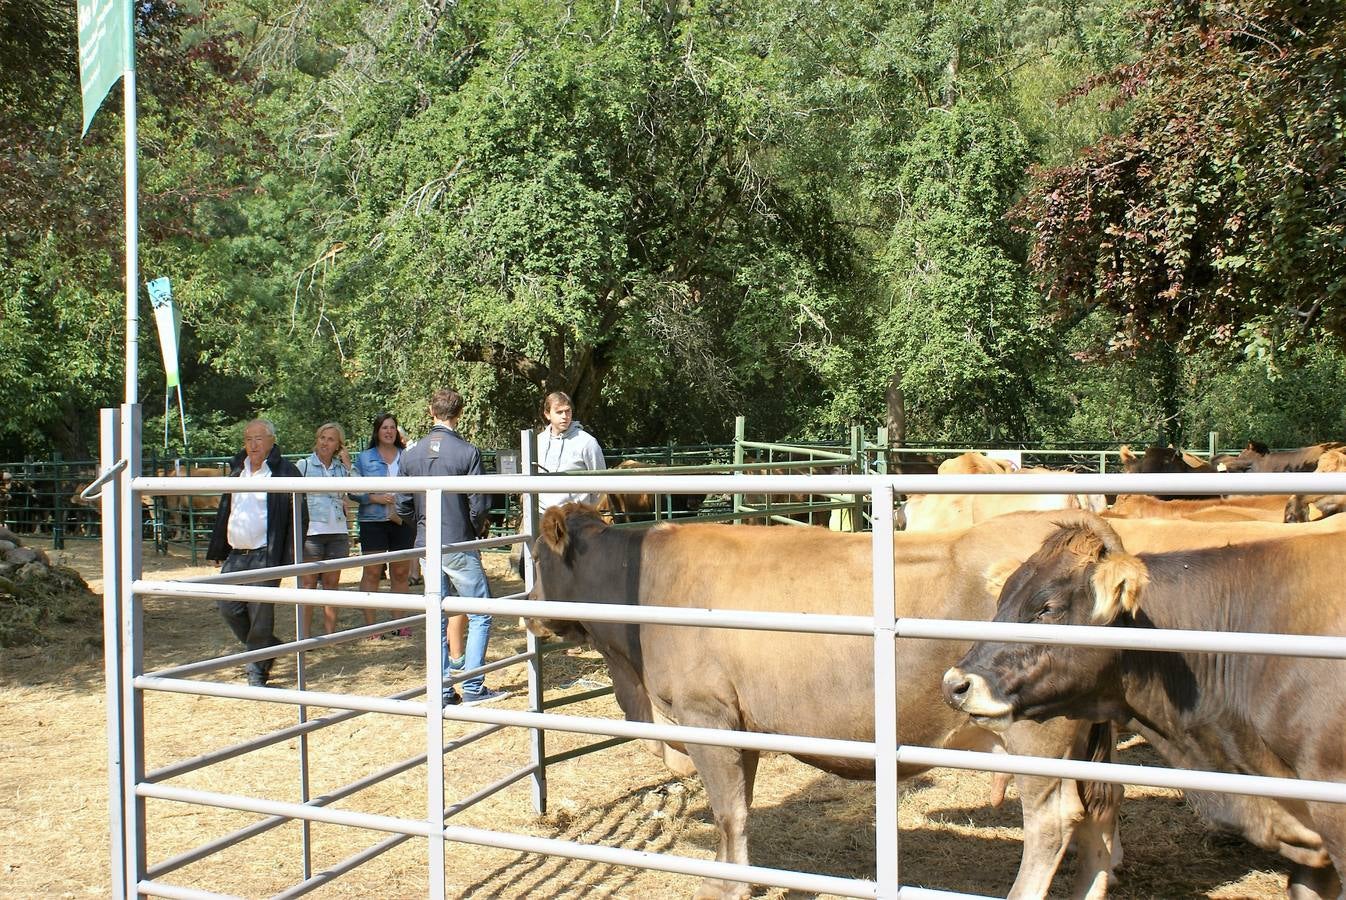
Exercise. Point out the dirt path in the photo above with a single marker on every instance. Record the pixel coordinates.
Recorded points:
(53, 795)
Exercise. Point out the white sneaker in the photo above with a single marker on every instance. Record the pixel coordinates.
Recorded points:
(485, 695)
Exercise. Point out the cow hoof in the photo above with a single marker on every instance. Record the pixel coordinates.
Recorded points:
(1308, 883)
(714, 889)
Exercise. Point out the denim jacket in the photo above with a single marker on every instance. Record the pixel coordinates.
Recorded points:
(324, 508)
(370, 464)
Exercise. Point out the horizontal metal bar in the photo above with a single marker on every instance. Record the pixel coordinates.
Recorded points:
(918, 893)
(705, 468)
(183, 767)
(336, 870)
(845, 887)
(571, 699)
(302, 596)
(788, 448)
(298, 646)
(373, 821)
(175, 892)
(281, 695)
(682, 865)
(92, 491)
(808, 623)
(1055, 483)
(747, 740)
(461, 675)
(346, 562)
(585, 750)
(1127, 638)
(347, 790)
(1119, 773)
(351, 862)
(493, 788)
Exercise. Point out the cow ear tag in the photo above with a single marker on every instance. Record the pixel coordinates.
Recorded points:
(999, 573)
(1118, 580)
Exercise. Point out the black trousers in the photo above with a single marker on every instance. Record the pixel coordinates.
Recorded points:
(252, 623)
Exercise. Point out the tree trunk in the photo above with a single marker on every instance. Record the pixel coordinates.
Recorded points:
(896, 414)
(949, 95)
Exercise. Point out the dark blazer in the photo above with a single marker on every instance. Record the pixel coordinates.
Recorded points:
(279, 514)
(444, 452)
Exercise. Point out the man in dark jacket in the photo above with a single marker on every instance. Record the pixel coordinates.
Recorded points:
(255, 531)
(444, 452)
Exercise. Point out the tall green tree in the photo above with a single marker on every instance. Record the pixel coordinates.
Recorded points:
(61, 210)
(579, 199)
(1223, 200)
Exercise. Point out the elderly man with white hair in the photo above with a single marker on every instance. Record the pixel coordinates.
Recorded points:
(255, 530)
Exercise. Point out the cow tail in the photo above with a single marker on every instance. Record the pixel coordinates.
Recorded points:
(1100, 796)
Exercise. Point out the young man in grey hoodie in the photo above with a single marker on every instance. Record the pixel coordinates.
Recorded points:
(564, 446)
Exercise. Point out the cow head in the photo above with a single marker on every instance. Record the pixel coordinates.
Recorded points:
(564, 531)
(1247, 460)
(1080, 576)
(1161, 459)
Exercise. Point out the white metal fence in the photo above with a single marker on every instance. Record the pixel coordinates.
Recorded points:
(130, 784)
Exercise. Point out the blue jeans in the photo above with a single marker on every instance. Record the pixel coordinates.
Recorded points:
(464, 574)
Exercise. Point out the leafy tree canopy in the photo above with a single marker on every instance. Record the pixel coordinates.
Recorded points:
(1222, 202)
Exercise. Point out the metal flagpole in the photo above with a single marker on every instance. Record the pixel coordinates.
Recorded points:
(132, 214)
(106, 32)
(182, 420)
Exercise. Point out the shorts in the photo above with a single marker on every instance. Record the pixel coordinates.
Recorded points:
(326, 546)
(379, 537)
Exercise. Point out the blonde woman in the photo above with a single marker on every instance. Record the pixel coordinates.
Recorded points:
(328, 535)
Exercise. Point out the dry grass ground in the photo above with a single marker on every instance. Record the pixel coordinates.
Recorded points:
(53, 795)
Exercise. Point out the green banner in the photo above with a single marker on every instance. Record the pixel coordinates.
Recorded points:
(102, 50)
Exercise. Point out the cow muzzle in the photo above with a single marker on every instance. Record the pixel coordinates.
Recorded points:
(971, 693)
(536, 627)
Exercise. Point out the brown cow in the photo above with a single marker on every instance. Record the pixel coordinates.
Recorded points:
(1279, 716)
(974, 463)
(183, 512)
(938, 512)
(1302, 508)
(1257, 457)
(817, 685)
(1255, 507)
(765, 505)
(1161, 459)
(679, 674)
(618, 508)
(1158, 460)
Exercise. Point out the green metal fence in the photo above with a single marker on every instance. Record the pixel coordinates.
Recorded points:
(41, 498)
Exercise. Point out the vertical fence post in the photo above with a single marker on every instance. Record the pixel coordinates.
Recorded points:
(301, 679)
(885, 692)
(131, 650)
(108, 455)
(537, 744)
(740, 430)
(857, 507)
(434, 688)
(57, 501)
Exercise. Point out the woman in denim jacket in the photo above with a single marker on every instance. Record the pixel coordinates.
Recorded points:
(328, 534)
(381, 528)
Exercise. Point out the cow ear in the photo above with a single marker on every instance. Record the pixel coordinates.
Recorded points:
(554, 533)
(999, 573)
(1118, 580)
(1126, 454)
